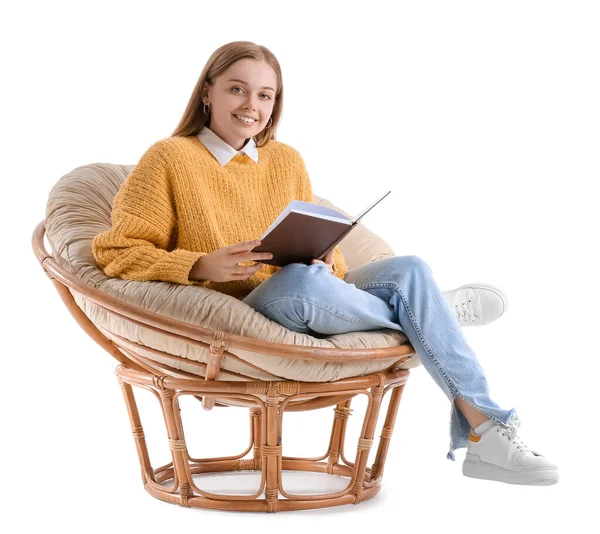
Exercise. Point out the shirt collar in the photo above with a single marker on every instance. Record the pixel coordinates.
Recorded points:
(223, 152)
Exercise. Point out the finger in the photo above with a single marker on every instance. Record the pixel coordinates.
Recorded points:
(246, 271)
(244, 245)
(257, 256)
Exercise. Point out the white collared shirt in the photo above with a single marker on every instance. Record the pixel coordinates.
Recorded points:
(222, 151)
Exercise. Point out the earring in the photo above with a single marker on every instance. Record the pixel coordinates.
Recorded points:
(269, 125)
(204, 109)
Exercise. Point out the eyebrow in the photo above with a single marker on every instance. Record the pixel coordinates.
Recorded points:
(242, 81)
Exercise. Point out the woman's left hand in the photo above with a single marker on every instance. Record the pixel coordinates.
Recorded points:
(328, 261)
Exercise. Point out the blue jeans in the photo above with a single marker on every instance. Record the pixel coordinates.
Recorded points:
(397, 292)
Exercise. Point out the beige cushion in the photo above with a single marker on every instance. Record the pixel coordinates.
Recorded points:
(79, 207)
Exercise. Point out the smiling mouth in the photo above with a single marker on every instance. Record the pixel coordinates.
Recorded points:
(245, 121)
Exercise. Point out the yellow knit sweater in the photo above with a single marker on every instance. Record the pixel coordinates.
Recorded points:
(179, 204)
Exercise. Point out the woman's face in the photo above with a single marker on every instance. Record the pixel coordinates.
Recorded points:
(250, 94)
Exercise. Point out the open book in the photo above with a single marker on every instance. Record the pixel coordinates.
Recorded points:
(305, 230)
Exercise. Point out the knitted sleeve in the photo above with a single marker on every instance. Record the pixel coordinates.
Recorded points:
(306, 194)
(143, 224)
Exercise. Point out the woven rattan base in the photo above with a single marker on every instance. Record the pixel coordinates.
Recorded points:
(267, 401)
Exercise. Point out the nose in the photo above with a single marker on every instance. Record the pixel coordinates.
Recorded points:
(250, 102)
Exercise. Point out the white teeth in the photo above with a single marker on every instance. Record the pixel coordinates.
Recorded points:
(250, 121)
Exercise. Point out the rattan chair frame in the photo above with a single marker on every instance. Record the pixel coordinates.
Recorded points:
(267, 401)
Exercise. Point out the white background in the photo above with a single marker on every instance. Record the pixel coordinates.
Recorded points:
(481, 117)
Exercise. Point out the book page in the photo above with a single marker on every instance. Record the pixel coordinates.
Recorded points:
(319, 216)
(317, 209)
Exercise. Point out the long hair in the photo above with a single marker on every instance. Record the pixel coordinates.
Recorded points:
(194, 118)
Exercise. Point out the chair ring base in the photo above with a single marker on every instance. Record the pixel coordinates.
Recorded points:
(174, 482)
(262, 505)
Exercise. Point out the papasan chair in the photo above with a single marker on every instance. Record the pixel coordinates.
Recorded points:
(184, 340)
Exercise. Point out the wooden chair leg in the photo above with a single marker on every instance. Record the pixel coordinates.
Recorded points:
(138, 432)
(342, 412)
(271, 451)
(257, 435)
(366, 440)
(386, 434)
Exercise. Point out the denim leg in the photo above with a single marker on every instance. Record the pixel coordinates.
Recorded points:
(407, 284)
(399, 293)
(310, 300)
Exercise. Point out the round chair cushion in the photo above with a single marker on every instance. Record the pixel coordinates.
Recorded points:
(79, 207)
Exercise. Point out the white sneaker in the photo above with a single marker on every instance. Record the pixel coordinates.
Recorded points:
(499, 454)
(476, 304)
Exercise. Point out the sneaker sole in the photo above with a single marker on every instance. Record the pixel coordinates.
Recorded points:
(475, 468)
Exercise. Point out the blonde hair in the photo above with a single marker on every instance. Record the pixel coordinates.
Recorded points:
(194, 118)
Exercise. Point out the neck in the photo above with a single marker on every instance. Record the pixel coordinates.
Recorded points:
(235, 143)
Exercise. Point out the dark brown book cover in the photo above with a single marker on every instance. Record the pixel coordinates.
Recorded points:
(300, 237)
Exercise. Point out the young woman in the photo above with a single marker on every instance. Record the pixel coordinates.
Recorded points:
(190, 212)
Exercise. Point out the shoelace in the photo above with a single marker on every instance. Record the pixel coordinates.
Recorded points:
(465, 313)
(511, 433)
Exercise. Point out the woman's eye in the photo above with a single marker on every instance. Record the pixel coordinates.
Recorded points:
(264, 94)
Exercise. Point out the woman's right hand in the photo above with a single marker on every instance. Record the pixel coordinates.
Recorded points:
(221, 265)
